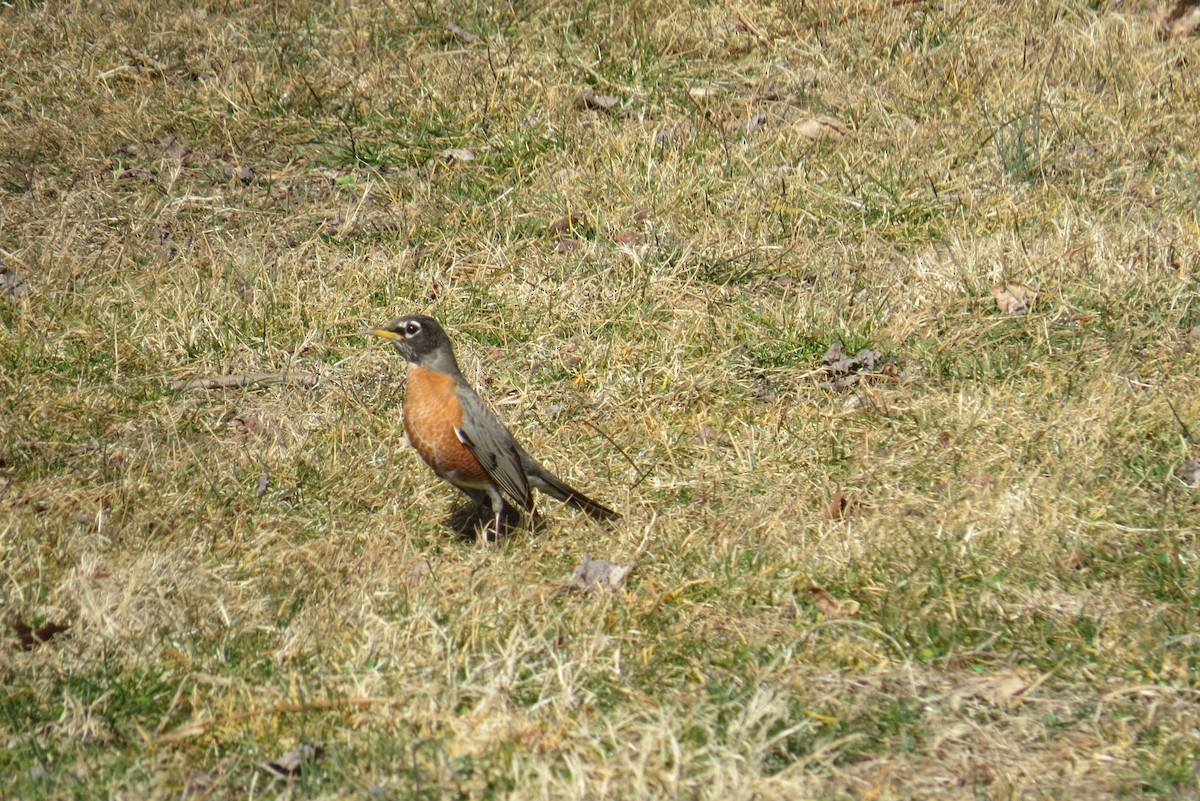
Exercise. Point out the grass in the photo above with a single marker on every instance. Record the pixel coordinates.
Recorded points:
(250, 569)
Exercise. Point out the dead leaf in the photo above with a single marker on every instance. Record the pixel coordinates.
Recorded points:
(29, 638)
(829, 605)
(708, 434)
(461, 33)
(172, 148)
(1075, 560)
(415, 572)
(566, 245)
(843, 371)
(165, 249)
(631, 238)
(187, 730)
(839, 506)
(243, 175)
(291, 763)
(590, 101)
(1189, 473)
(814, 128)
(566, 222)
(12, 285)
(599, 575)
(145, 61)
(768, 90)
(1013, 298)
(459, 154)
(668, 136)
(1001, 689)
(752, 124)
(136, 174)
(251, 425)
(1176, 19)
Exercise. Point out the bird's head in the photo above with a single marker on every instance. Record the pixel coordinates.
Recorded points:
(420, 339)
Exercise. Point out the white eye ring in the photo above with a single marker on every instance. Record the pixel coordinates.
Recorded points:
(412, 329)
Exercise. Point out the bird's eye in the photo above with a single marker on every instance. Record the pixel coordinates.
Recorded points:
(412, 329)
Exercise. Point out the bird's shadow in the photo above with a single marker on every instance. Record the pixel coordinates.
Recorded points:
(470, 521)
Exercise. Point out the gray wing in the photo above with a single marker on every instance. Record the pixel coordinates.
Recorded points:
(494, 447)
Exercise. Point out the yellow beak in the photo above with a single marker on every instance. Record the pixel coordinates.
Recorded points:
(383, 333)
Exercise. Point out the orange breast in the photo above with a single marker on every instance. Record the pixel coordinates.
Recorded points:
(431, 413)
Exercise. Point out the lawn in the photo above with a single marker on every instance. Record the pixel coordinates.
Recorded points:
(879, 323)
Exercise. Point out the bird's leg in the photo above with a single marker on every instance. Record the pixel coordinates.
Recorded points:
(498, 509)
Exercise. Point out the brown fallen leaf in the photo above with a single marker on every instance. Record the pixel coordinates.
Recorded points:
(566, 245)
(29, 638)
(814, 128)
(459, 154)
(244, 175)
(566, 222)
(768, 90)
(172, 148)
(1189, 473)
(843, 370)
(199, 785)
(752, 124)
(839, 506)
(165, 248)
(264, 481)
(291, 763)
(829, 605)
(1176, 19)
(597, 575)
(590, 101)
(708, 434)
(627, 237)
(1001, 689)
(457, 30)
(416, 572)
(1075, 560)
(12, 285)
(670, 134)
(187, 730)
(137, 174)
(1014, 298)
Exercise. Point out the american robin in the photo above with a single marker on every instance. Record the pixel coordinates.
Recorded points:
(459, 436)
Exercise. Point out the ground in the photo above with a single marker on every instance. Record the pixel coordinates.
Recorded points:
(959, 560)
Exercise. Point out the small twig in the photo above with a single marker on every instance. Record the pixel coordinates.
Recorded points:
(709, 119)
(642, 474)
(307, 380)
(752, 28)
(1187, 435)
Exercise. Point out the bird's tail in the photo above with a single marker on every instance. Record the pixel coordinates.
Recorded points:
(555, 487)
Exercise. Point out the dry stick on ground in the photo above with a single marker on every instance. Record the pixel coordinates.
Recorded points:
(308, 380)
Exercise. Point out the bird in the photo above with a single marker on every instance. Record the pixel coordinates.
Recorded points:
(458, 435)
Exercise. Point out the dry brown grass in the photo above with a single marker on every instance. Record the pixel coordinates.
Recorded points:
(250, 568)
